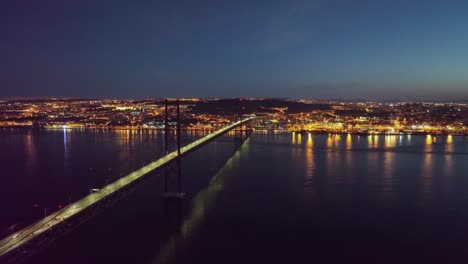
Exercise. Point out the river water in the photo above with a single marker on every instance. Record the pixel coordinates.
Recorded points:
(277, 198)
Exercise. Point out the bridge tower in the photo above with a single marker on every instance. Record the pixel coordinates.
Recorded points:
(173, 171)
(238, 132)
(243, 131)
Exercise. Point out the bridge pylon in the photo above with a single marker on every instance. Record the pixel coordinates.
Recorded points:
(173, 171)
(243, 131)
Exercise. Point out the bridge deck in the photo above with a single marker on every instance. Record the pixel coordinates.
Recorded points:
(25, 235)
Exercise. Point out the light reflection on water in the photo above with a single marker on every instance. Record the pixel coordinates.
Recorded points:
(309, 157)
(427, 170)
(200, 207)
(30, 150)
(349, 142)
(310, 167)
(388, 172)
(380, 186)
(448, 155)
(383, 166)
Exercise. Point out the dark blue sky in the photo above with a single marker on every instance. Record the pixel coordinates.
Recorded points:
(312, 49)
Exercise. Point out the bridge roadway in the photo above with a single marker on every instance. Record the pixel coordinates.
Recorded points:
(31, 232)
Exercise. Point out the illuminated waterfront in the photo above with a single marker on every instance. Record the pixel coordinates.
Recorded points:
(211, 114)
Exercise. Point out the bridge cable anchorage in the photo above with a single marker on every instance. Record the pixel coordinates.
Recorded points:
(173, 171)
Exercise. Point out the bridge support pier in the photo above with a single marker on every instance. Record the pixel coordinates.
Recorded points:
(173, 171)
(242, 132)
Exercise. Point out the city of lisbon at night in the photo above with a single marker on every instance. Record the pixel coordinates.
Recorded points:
(289, 115)
(234, 132)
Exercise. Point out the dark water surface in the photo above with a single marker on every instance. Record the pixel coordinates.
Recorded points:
(277, 198)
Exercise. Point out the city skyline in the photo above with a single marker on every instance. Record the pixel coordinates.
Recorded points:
(368, 50)
(367, 118)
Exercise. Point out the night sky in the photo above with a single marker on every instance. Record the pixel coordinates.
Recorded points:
(298, 49)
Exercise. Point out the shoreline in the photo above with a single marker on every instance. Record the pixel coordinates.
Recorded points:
(423, 133)
(406, 133)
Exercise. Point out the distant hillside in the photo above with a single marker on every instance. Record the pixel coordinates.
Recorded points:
(238, 106)
(33, 101)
